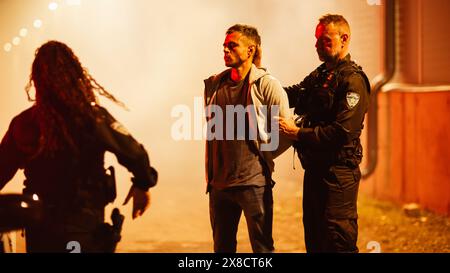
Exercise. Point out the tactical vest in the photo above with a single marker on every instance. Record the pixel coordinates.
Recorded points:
(317, 107)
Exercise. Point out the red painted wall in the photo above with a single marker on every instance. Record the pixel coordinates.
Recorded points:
(414, 150)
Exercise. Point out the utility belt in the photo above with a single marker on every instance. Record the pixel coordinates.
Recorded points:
(86, 191)
(95, 192)
(82, 211)
(349, 156)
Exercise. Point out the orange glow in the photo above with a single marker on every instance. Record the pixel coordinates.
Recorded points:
(154, 55)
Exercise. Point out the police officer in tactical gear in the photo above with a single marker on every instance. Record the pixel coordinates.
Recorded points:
(330, 103)
(60, 144)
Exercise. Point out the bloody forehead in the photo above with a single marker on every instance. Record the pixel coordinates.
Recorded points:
(320, 30)
(234, 36)
(328, 30)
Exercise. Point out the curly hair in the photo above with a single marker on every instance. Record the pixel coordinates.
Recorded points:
(65, 98)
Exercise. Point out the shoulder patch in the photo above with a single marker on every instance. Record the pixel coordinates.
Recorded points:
(116, 126)
(352, 99)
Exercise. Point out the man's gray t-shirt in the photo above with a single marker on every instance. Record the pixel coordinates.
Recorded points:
(235, 162)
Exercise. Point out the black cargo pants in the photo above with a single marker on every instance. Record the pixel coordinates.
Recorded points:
(329, 209)
(56, 232)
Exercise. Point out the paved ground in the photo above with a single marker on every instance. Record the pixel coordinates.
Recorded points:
(181, 224)
(178, 222)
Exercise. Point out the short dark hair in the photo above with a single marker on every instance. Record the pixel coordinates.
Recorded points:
(248, 31)
(252, 34)
(335, 19)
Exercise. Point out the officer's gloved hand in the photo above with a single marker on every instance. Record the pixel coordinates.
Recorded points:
(141, 200)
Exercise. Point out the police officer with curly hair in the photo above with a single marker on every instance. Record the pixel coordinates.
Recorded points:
(60, 144)
(331, 104)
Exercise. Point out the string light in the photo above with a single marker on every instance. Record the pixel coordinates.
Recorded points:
(16, 41)
(23, 32)
(37, 23)
(7, 47)
(53, 6)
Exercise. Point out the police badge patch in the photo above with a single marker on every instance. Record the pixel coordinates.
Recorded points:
(352, 99)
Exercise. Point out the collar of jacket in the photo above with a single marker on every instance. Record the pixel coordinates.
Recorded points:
(346, 60)
(213, 82)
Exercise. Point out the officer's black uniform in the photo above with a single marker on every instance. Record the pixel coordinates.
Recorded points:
(332, 104)
(74, 189)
